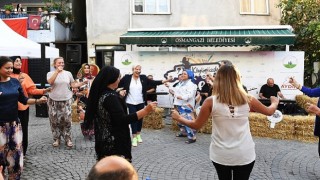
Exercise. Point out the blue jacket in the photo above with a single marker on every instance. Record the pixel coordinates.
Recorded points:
(145, 82)
(314, 93)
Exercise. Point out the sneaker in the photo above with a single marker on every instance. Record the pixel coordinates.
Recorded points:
(135, 142)
(139, 138)
(56, 143)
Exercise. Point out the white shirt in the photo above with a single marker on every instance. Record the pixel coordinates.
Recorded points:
(61, 87)
(231, 140)
(135, 95)
(187, 90)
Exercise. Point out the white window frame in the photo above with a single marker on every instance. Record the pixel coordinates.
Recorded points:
(252, 8)
(157, 8)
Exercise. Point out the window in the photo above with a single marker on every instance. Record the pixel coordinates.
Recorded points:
(152, 6)
(254, 7)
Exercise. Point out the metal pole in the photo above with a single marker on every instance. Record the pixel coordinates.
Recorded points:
(43, 60)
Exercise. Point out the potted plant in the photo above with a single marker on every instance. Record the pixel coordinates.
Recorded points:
(61, 8)
(8, 8)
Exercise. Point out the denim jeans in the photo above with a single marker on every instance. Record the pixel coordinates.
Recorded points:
(137, 125)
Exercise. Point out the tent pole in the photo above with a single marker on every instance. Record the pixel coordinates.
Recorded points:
(43, 60)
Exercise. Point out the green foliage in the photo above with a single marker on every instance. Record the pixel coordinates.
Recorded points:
(304, 17)
(8, 7)
(61, 6)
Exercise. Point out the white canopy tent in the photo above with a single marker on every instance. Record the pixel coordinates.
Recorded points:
(13, 44)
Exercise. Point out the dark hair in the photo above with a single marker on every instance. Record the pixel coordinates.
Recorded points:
(106, 76)
(14, 57)
(19, 7)
(121, 174)
(4, 60)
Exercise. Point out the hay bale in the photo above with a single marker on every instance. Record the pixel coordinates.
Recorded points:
(174, 125)
(304, 126)
(154, 119)
(74, 112)
(260, 126)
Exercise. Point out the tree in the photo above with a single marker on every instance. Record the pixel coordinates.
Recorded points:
(304, 17)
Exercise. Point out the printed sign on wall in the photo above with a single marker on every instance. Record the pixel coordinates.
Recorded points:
(255, 67)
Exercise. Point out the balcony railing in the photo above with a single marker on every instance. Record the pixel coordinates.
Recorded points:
(35, 22)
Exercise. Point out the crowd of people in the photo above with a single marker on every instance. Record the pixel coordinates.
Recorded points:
(112, 109)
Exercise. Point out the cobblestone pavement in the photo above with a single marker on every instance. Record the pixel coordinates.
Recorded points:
(162, 156)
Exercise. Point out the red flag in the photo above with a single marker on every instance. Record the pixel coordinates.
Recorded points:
(34, 22)
(19, 25)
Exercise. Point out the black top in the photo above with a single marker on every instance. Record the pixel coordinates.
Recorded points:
(268, 91)
(205, 89)
(112, 116)
(152, 96)
(145, 82)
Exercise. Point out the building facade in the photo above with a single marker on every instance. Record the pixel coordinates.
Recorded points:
(108, 20)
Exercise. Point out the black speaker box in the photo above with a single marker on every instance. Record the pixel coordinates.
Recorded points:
(73, 55)
(41, 109)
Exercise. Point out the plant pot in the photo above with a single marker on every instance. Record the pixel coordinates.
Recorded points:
(7, 12)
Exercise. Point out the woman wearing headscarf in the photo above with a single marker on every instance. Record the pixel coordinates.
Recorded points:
(184, 101)
(107, 113)
(29, 88)
(82, 93)
(232, 149)
(136, 86)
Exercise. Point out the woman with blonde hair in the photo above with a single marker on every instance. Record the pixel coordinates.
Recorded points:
(136, 85)
(59, 102)
(232, 149)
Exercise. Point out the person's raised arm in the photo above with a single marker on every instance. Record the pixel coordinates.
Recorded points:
(146, 110)
(54, 75)
(281, 95)
(257, 106)
(313, 109)
(200, 120)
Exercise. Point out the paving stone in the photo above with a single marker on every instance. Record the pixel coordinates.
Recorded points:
(162, 156)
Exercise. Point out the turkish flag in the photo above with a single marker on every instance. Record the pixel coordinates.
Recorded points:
(19, 25)
(34, 22)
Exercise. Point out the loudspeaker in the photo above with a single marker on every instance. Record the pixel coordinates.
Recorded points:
(73, 54)
(41, 109)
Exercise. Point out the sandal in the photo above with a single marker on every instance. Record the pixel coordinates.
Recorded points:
(69, 143)
(181, 135)
(56, 143)
(189, 141)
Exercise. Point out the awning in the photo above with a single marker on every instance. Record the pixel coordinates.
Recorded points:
(221, 36)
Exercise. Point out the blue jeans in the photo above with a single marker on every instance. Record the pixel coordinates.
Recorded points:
(137, 125)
